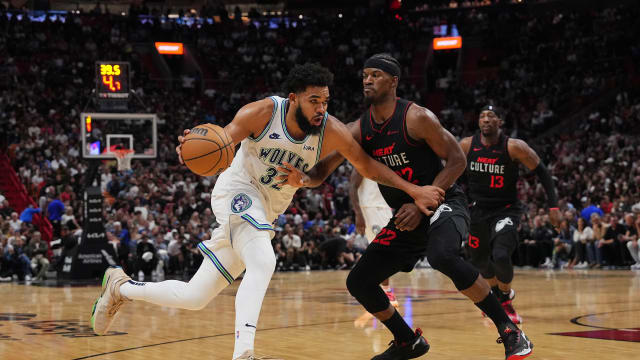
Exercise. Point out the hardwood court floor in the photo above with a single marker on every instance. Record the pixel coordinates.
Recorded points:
(309, 315)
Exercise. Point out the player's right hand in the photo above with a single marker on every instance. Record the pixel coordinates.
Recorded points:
(291, 176)
(428, 198)
(408, 217)
(361, 226)
(180, 142)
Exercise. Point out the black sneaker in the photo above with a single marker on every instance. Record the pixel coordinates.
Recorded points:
(516, 344)
(409, 350)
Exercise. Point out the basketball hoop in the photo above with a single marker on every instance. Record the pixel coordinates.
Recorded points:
(123, 156)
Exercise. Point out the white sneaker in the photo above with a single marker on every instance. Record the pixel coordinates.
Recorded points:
(548, 264)
(107, 305)
(635, 266)
(582, 265)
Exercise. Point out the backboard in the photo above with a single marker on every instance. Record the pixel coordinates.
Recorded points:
(104, 132)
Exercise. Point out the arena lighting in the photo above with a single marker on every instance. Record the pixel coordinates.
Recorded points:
(445, 43)
(167, 48)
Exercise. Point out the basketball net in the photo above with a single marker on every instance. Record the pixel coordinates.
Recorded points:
(123, 157)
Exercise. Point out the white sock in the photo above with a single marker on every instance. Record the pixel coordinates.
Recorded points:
(194, 295)
(260, 262)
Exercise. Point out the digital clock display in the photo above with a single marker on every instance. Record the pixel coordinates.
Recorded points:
(112, 79)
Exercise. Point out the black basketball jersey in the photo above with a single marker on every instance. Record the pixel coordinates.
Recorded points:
(492, 174)
(390, 144)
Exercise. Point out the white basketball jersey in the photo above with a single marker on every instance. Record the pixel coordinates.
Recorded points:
(258, 158)
(369, 194)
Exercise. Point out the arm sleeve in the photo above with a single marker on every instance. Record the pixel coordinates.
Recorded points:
(547, 182)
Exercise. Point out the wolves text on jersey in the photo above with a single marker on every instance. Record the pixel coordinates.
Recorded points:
(278, 156)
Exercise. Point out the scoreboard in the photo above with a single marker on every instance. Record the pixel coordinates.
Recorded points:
(112, 80)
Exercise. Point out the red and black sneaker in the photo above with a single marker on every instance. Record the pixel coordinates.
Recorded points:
(511, 312)
(406, 350)
(516, 344)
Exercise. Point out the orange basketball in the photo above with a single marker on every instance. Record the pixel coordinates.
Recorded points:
(207, 150)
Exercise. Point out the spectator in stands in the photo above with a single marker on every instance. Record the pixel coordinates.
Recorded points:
(5, 209)
(539, 246)
(146, 256)
(582, 236)
(69, 217)
(37, 251)
(176, 259)
(594, 251)
(562, 245)
(55, 209)
(610, 243)
(6, 270)
(589, 208)
(15, 223)
(16, 258)
(27, 214)
(163, 255)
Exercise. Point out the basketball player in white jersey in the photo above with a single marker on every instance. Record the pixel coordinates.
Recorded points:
(295, 131)
(372, 214)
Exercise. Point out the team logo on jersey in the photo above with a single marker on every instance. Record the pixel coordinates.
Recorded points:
(502, 223)
(436, 215)
(310, 148)
(274, 136)
(240, 203)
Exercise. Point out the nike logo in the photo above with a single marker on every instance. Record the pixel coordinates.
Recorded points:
(249, 325)
(413, 347)
(477, 149)
(274, 136)
(368, 137)
(392, 132)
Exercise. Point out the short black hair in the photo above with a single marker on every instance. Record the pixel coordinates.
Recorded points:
(310, 74)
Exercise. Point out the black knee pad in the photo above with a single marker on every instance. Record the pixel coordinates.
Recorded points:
(366, 289)
(503, 247)
(355, 284)
(501, 257)
(443, 253)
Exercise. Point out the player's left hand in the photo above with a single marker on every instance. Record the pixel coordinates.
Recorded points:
(291, 176)
(428, 198)
(555, 218)
(408, 217)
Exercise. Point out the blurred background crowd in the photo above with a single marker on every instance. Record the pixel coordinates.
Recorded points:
(563, 75)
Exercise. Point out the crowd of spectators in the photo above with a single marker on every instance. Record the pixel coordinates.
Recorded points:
(542, 68)
(156, 213)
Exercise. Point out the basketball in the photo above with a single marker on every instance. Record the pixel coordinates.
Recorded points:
(207, 150)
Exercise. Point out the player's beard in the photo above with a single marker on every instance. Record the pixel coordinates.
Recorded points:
(372, 100)
(305, 125)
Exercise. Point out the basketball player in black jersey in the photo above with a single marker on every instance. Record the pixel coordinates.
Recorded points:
(492, 172)
(409, 139)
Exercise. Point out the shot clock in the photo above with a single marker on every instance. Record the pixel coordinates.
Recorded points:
(112, 80)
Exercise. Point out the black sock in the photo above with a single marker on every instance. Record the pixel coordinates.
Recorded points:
(399, 328)
(502, 297)
(494, 310)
